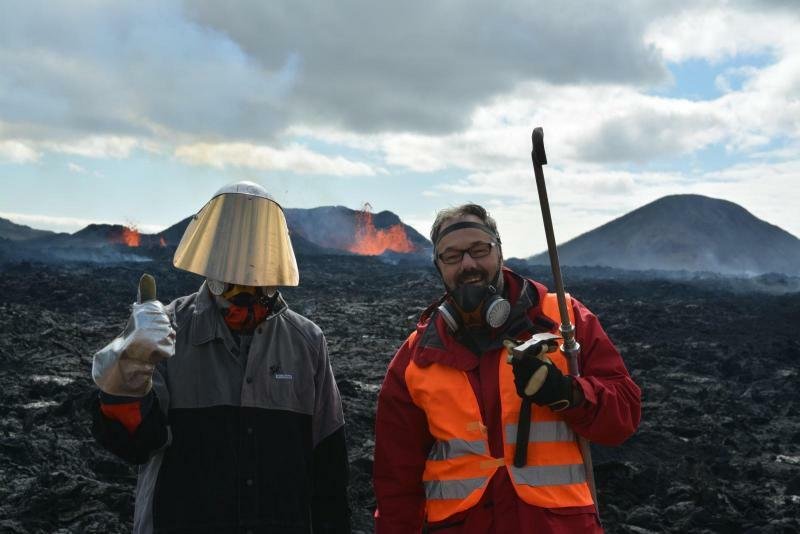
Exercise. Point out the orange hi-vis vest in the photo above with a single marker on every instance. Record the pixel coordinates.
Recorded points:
(459, 465)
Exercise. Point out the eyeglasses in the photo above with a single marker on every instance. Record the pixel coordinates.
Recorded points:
(478, 250)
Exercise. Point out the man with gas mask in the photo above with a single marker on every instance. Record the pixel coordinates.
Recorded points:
(226, 398)
(450, 403)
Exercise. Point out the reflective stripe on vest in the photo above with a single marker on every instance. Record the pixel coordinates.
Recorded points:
(446, 450)
(452, 489)
(459, 464)
(548, 475)
(543, 431)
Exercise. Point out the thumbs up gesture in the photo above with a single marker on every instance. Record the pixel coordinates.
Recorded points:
(125, 366)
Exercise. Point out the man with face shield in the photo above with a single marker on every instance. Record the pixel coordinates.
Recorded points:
(448, 411)
(225, 398)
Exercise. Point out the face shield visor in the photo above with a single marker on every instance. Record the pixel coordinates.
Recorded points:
(239, 237)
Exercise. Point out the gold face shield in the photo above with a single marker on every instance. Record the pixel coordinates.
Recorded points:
(240, 237)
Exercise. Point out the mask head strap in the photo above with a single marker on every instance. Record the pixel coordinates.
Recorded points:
(467, 224)
(461, 226)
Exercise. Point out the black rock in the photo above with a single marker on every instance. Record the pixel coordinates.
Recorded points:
(718, 449)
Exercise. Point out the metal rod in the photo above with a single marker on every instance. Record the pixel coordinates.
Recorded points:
(570, 347)
(539, 159)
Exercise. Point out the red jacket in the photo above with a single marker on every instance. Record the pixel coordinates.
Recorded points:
(609, 415)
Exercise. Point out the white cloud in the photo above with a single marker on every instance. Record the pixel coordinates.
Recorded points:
(97, 147)
(724, 81)
(580, 184)
(719, 32)
(615, 124)
(79, 169)
(789, 152)
(647, 128)
(132, 69)
(422, 66)
(599, 123)
(455, 88)
(206, 71)
(582, 124)
(17, 152)
(295, 158)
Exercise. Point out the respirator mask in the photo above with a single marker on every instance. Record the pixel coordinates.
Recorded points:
(472, 306)
(243, 307)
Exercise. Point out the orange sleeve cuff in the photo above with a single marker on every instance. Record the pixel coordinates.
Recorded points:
(129, 414)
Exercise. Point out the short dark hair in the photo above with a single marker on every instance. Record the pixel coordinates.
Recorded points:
(459, 211)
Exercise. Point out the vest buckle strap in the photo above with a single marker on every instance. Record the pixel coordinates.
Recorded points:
(477, 426)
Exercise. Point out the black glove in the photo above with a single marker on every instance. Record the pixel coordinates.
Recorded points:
(555, 390)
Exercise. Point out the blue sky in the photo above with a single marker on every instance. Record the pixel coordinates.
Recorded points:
(137, 112)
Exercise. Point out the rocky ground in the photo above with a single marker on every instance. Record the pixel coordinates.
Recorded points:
(718, 449)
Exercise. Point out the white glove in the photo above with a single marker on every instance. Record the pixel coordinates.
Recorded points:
(125, 366)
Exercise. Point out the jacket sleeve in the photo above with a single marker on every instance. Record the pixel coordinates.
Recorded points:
(402, 444)
(330, 508)
(612, 408)
(129, 427)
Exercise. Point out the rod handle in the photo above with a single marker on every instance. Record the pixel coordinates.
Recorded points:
(523, 431)
(537, 138)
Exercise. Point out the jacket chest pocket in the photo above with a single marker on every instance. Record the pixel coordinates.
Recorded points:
(286, 389)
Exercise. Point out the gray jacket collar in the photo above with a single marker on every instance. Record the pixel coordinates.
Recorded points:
(207, 321)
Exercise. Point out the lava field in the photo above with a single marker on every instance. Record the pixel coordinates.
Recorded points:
(718, 449)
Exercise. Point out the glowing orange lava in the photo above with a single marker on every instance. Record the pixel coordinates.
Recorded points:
(130, 236)
(371, 241)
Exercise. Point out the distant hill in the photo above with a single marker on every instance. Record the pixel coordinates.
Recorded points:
(98, 235)
(19, 232)
(173, 234)
(317, 231)
(685, 232)
(336, 226)
(322, 230)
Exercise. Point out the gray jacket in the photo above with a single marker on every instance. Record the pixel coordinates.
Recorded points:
(240, 432)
